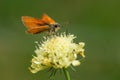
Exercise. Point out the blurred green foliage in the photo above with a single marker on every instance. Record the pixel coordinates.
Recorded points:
(95, 22)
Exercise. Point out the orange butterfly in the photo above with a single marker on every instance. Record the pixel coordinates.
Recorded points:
(36, 25)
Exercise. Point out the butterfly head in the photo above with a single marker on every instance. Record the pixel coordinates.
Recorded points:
(54, 27)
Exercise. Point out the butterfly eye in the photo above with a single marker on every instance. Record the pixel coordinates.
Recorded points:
(55, 26)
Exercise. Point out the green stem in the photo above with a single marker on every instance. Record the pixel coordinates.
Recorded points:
(52, 76)
(67, 75)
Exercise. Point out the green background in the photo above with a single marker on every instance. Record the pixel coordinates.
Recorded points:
(95, 22)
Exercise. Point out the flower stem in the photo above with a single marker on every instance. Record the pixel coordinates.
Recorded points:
(52, 76)
(67, 75)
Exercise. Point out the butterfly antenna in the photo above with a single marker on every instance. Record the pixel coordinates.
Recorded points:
(67, 25)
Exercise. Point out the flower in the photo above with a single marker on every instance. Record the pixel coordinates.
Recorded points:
(57, 51)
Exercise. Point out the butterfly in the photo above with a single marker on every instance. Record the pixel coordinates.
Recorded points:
(36, 25)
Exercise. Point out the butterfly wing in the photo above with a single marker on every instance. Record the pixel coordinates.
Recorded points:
(34, 25)
(38, 29)
(48, 19)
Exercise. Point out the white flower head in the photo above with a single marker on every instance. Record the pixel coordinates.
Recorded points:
(57, 51)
